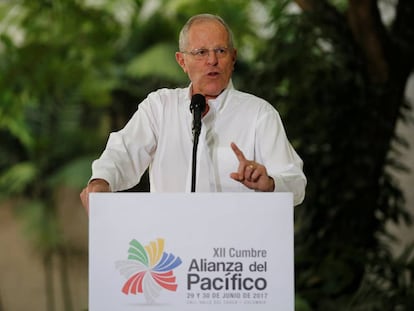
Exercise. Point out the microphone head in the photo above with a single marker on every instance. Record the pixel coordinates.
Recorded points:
(198, 103)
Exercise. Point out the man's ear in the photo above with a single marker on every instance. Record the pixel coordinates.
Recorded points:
(179, 57)
(234, 56)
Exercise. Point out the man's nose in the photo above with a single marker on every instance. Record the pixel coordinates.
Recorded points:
(212, 58)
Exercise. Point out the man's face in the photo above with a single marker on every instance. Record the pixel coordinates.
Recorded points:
(211, 74)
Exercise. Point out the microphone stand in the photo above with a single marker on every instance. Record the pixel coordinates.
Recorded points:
(197, 107)
(194, 161)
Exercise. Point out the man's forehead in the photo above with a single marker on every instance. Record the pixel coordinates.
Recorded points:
(203, 28)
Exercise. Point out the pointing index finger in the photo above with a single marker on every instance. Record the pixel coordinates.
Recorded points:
(239, 154)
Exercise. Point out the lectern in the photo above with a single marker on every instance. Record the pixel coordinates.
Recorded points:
(191, 252)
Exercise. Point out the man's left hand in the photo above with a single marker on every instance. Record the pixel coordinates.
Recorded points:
(251, 174)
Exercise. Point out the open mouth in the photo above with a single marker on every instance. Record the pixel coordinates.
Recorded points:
(213, 74)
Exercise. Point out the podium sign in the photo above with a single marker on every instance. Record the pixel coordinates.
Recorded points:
(198, 251)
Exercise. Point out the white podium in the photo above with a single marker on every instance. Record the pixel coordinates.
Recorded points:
(198, 251)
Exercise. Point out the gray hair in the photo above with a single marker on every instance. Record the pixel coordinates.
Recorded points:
(183, 39)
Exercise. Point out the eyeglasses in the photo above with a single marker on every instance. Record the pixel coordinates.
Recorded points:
(200, 54)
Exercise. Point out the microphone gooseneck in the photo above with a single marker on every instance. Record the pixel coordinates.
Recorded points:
(197, 107)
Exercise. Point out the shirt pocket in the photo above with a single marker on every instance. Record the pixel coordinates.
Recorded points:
(226, 163)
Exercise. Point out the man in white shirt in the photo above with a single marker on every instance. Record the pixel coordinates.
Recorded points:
(242, 147)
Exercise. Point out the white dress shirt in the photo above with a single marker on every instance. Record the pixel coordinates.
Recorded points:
(159, 136)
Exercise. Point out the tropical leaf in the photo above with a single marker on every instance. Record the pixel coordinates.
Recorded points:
(157, 61)
(74, 174)
(17, 178)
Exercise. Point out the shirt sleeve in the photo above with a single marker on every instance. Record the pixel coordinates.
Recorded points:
(274, 150)
(129, 151)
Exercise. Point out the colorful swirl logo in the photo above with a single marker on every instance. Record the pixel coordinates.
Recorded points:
(148, 270)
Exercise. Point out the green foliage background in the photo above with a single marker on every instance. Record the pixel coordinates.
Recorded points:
(72, 71)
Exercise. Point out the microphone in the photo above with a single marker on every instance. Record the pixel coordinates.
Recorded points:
(197, 107)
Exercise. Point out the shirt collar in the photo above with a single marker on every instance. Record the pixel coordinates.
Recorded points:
(217, 102)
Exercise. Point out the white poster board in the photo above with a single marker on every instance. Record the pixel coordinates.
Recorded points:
(198, 251)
